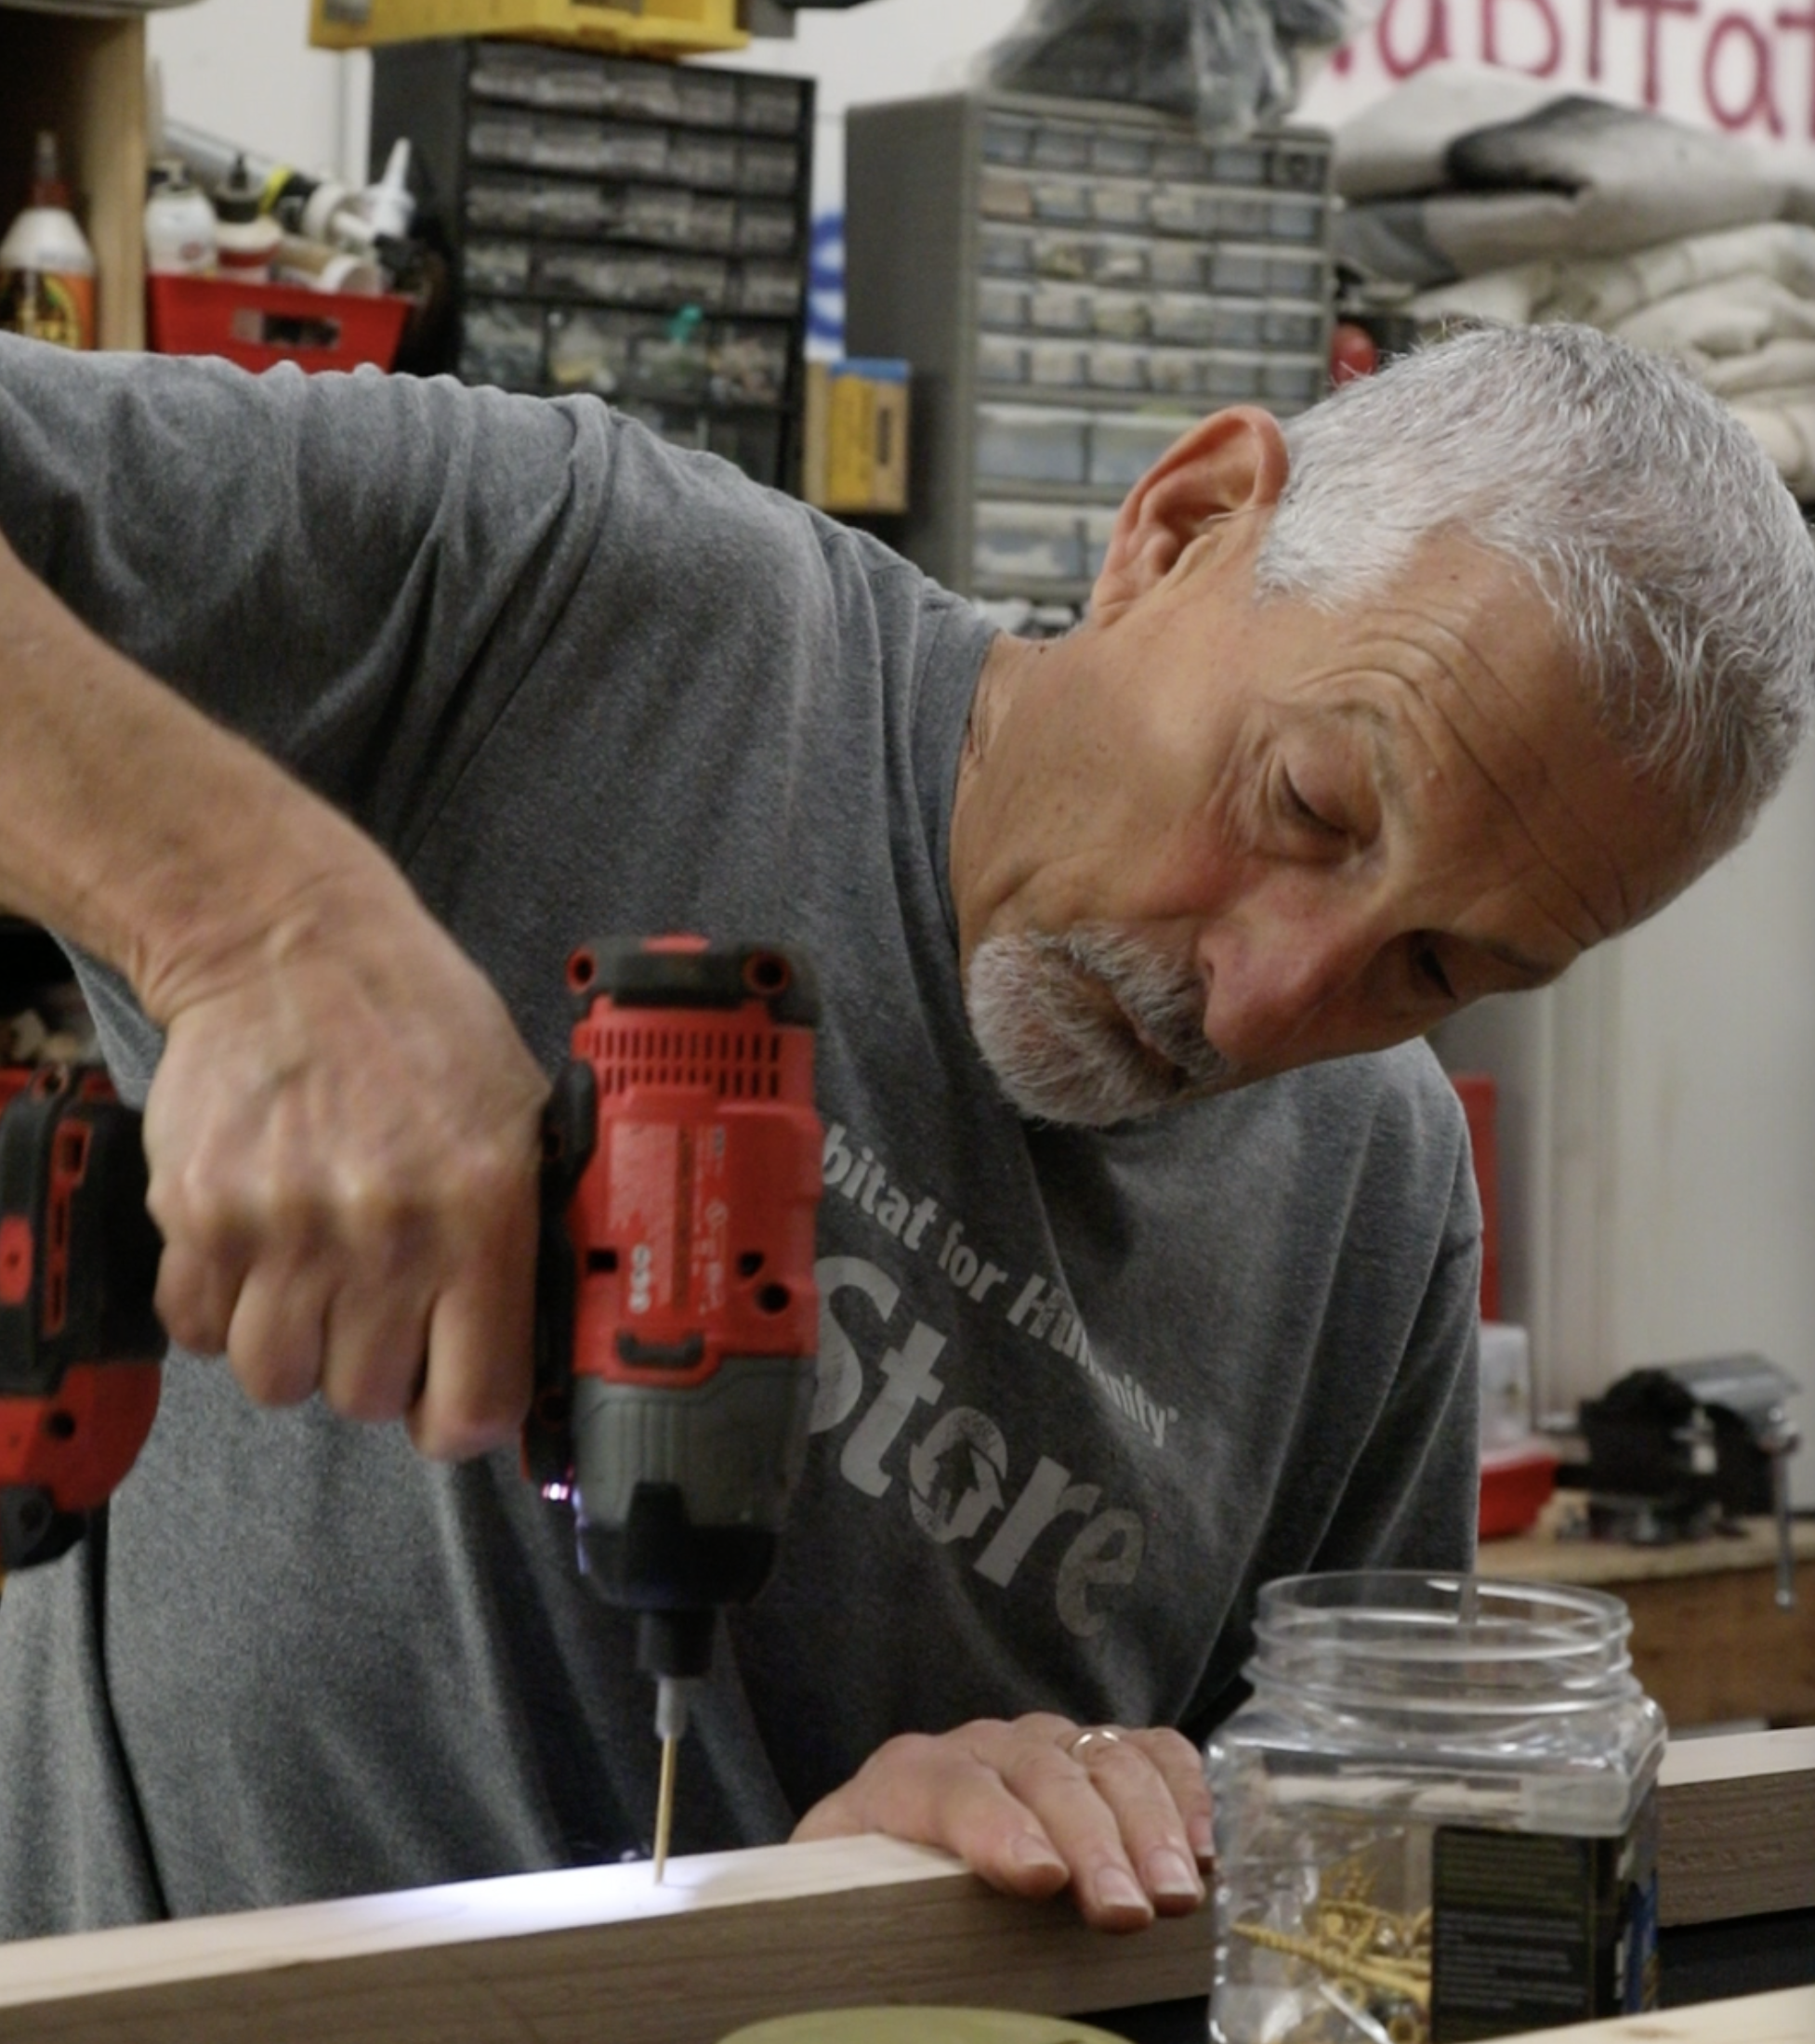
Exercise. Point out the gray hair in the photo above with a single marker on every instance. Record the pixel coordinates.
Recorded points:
(1675, 559)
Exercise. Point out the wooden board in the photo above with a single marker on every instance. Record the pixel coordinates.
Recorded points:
(596, 1956)
(602, 1956)
(1737, 1828)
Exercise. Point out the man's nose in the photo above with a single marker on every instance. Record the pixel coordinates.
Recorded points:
(1275, 990)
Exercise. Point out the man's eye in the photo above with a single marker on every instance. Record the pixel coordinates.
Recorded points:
(1430, 969)
(1303, 813)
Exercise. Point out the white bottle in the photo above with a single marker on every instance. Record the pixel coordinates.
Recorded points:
(245, 236)
(47, 267)
(180, 225)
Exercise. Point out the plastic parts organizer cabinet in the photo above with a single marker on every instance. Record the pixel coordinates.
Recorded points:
(630, 228)
(1074, 284)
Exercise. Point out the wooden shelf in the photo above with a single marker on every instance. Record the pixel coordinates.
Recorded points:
(85, 78)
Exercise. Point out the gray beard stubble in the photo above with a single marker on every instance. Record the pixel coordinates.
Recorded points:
(1058, 1054)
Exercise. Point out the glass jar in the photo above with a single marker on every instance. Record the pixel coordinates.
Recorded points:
(1435, 1815)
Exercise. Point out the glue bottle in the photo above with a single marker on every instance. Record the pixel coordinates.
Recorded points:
(246, 237)
(47, 267)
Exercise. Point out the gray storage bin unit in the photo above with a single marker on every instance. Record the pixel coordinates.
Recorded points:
(616, 226)
(1074, 284)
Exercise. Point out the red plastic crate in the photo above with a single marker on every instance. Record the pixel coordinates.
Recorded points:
(258, 325)
(1516, 1485)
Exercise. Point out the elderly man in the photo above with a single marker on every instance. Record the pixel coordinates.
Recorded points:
(1142, 1285)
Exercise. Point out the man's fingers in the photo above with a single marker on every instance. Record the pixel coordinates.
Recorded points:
(1114, 1817)
(1181, 1767)
(196, 1294)
(276, 1339)
(939, 1792)
(467, 1403)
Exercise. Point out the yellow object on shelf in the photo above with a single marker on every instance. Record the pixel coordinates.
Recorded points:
(646, 28)
(856, 450)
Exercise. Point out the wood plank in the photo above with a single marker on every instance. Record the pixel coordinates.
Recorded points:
(602, 1956)
(1736, 1827)
(599, 1954)
(1787, 2017)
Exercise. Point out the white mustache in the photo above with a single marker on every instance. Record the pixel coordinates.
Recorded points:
(1035, 1001)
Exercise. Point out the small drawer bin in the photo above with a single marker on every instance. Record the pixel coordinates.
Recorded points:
(1239, 164)
(1063, 256)
(1172, 209)
(747, 365)
(1114, 368)
(592, 350)
(1122, 449)
(1294, 383)
(1027, 443)
(499, 266)
(1184, 159)
(764, 106)
(1238, 323)
(1188, 321)
(1001, 360)
(1060, 146)
(1300, 166)
(1233, 379)
(1119, 260)
(770, 290)
(1060, 198)
(765, 228)
(1121, 315)
(770, 168)
(1242, 273)
(1298, 277)
(1176, 266)
(1059, 308)
(1175, 373)
(1004, 195)
(1241, 216)
(1299, 327)
(1005, 252)
(1120, 204)
(1027, 543)
(501, 345)
(699, 158)
(1295, 219)
(1001, 304)
(1121, 153)
(1007, 140)
(1056, 365)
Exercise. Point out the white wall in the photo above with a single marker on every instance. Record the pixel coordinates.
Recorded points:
(243, 69)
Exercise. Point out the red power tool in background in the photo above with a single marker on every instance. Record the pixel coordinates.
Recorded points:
(677, 1317)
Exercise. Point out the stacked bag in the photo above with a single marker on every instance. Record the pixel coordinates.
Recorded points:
(1485, 194)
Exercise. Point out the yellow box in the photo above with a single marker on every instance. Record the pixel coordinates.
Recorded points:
(855, 452)
(645, 28)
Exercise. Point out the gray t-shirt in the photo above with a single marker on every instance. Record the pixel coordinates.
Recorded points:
(1080, 1393)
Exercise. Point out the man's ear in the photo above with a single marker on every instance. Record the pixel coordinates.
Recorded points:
(1232, 460)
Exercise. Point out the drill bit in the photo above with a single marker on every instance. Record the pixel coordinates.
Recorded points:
(670, 1723)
